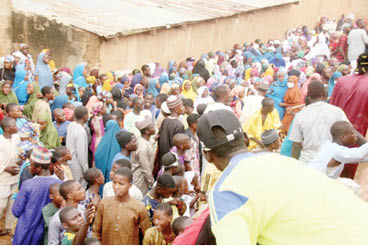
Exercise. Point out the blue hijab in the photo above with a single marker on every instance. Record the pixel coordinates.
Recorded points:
(59, 102)
(278, 60)
(276, 92)
(152, 87)
(43, 71)
(20, 85)
(164, 78)
(332, 83)
(137, 78)
(78, 77)
(107, 149)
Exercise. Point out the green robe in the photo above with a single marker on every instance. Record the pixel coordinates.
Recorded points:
(28, 107)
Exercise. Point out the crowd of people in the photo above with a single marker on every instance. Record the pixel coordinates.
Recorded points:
(254, 145)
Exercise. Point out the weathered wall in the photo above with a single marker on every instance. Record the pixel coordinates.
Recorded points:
(195, 39)
(69, 46)
(6, 26)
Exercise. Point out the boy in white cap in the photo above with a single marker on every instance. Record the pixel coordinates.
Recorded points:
(32, 197)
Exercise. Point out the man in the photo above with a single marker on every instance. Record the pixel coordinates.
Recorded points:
(137, 112)
(146, 75)
(311, 125)
(266, 118)
(143, 157)
(9, 171)
(342, 43)
(272, 199)
(252, 103)
(223, 98)
(42, 105)
(149, 104)
(357, 40)
(77, 143)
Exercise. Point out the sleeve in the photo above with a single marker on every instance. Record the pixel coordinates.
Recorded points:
(341, 115)
(20, 202)
(46, 214)
(148, 238)
(249, 127)
(351, 155)
(146, 165)
(144, 220)
(82, 150)
(53, 236)
(97, 226)
(365, 37)
(296, 132)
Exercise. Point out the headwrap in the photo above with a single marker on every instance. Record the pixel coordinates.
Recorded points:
(43, 71)
(24, 148)
(188, 93)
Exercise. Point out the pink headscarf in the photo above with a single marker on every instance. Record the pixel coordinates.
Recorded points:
(269, 79)
(69, 114)
(304, 88)
(236, 91)
(91, 102)
(210, 82)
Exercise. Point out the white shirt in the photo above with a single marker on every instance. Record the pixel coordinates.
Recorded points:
(312, 126)
(357, 39)
(341, 154)
(216, 106)
(251, 105)
(133, 191)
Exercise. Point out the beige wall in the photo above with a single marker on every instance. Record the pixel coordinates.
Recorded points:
(195, 39)
(6, 26)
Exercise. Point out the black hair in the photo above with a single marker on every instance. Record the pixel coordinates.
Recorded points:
(144, 67)
(10, 107)
(65, 188)
(149, 94)
(166, 181)
(125, 172)
(65, 105)
(201, 108)
(339, 128)
(80, 112)
(54, 187)
(91, 241)
(5, 123)
(118, 114)
(86, 97)
(55, 157)
(267, 101)
(220, 91)
(134, 100)
(116, 93)
(102, 75)
(192, 118)
(180, 223)
(64, 213)
(106, 118)
(91, 175)
(362, 63)
(61, 149)
(123, 163)
(168, 159)
(165, 207)
(45, 90)
(229, 147)
(188, 102)
(319, 68)
(315, 89)
(162, 97)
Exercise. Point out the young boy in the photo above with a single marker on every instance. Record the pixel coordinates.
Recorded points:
(270, 140)
(32, 197)
(143, 157)
(128, 143)
(50, 209)
(108, 191)
(189, 108)
(42, 105)
(9, 174)
(14, 111)
(74, 224)
(195, 152)
(333, 155)
(61, 124)
(119, 218)
(65, 162)
(73, 193)
(161, 233)
(170, 164)
(182, 144)
(180, 224)
(95, 179)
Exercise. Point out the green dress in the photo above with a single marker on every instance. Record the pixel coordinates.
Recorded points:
(49, 135)
(28, 107)
(10, 98)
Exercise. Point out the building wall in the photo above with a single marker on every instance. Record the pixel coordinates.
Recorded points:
(195, 39)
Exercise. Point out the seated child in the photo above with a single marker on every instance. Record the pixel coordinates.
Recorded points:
(180, 224)
(119, 218)
(108, 191)
(67, 157)
(161, 233)
(94, 179)
(75, 226)
(333, 155)
(50, 209)
(270, 140)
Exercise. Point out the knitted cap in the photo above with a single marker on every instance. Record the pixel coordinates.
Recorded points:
(41, 155)
(174, 101)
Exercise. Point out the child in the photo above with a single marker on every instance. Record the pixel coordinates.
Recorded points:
(182, 144)
(76, 227)
(108, 191)
(161, 233)
(195, 152)
(333, 155)
(119, 218)
(61, 124)
(42, 105)
(32, 197)
(180, 224)
(14, 111)
(128, 143)
(95, 179)
(181, 195)
(270, 140)
(66, 158)
(169, 163)
(73, 193)
(50, 209)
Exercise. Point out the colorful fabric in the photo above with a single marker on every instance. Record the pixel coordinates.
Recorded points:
(276, 92)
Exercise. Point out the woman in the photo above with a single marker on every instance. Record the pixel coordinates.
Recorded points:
(107, 149)
(238, 94)
(153, 87)
(64, 79)
(201, 70)
(137, 78)
(97, 125)
(332, 82)
(203, 96)
(187, 91)
(277, 90)
(278, 60)
(138, 90)
(79, 74)
(33, 90)
(291, 99)
(43, 71)
(49, 135)
(164, 78)
(6, 94)
(20, 84)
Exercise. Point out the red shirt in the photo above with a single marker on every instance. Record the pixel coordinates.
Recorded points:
(342, 42)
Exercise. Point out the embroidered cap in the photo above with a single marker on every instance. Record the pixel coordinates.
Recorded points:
(41, 155)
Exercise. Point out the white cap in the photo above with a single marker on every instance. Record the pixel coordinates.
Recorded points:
(164, 108)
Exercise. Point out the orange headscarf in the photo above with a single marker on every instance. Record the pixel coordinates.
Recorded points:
(293, 95)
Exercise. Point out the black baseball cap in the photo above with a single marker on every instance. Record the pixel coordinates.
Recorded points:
(222, 118)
